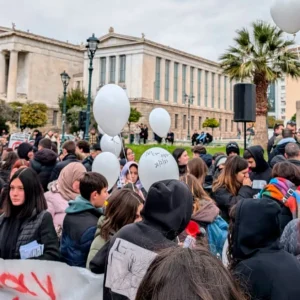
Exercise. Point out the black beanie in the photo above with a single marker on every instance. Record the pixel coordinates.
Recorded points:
(232, 147)
(23, 150)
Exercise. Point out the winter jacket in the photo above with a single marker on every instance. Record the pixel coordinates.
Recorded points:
(98, 242)
(295, 162)
(57, 206)
(132, 248)
(276, 159)
(43, 163)
(262, 171)
(59, 166)
(270, 145)
(88, 162)
(4, 175)
(79, 229)
(280, 148)
(39, 227)
(263, 268)
(225, 200)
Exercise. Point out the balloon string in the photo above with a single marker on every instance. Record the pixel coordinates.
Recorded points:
(123, 149)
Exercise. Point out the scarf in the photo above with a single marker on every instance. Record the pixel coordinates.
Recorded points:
(277, 189)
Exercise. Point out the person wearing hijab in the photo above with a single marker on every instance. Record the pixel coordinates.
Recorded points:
(63, 190)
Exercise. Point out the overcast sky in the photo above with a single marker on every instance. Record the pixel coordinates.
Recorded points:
(202, 27)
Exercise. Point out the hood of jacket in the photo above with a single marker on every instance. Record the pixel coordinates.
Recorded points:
(296, 162)
(46, 157)
(70, 157)
(168, 207)
(256, 227)
(207, 159)
(207, 214)
(125, 170)
(80, 204)
(258, 154)
(286, 141)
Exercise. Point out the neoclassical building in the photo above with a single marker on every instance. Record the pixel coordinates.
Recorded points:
(30, 67)
(156, 75)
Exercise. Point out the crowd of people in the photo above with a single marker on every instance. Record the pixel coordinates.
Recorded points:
(227, 229)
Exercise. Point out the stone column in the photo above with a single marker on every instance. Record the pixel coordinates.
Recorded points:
(2, 73)
(162, 97)
(12, 76)
(171, 82)
(117, 68)
(107, 70)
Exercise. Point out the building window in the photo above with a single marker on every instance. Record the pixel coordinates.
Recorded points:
(283, 87)
(183, 81)
(225, 92)
(175, 82)
(122, 68)
(184, 121)
(54, 120)
(231, 126)
(199, 88)
(176, 121)
(220, 126)
(199, 122)
(192, 122)
(167, 80)
(219, 91)
(112, 69)
(192, 81)
(78, 85)
(206, 88)
(102, 70)
(226, 125)
(157, 78)
(212, 90)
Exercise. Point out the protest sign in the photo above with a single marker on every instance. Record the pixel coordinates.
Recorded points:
(17, 138)
(46, 280)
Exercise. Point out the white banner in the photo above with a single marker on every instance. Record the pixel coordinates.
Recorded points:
(46, 280)
(17, 138)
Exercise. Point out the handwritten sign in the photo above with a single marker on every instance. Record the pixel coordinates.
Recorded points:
(17, 138)
(157, 164)
(46, 280)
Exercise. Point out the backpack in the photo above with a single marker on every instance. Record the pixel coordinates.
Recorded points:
(217, 235)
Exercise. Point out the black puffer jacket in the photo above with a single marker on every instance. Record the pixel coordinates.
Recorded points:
(165, 216)
(43, 163)
(59, 166)
(265, 270)
(40, 228)
(88, 163)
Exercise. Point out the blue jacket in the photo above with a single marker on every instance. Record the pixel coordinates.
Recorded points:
(79, 229)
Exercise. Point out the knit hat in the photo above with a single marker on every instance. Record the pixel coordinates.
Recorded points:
(220, 160)
(232, 147)
(23, 150)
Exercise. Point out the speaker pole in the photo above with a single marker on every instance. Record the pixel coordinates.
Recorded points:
(245, 136)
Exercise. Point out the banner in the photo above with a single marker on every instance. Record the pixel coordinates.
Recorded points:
(17, 138)
(46, 280)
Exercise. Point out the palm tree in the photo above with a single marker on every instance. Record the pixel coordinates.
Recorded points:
(261, 57)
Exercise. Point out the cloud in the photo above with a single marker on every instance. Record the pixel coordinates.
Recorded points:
(202, 27)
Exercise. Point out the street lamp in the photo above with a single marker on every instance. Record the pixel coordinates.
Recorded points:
(92, 44)
(65, 78)
(19, 108)
(189, 99)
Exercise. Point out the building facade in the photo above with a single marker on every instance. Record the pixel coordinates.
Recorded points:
(277, 99)
(30, 67)
(155, 75)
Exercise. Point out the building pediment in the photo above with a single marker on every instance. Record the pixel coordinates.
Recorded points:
(113, 39)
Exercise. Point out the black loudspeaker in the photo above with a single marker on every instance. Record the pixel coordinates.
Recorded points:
(244, 102)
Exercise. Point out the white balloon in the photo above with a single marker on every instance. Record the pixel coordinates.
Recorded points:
(285, 14)
(100, 130)
(160, 121)
(111, 144)
(157, 164)
(111, 109)
(107, 165)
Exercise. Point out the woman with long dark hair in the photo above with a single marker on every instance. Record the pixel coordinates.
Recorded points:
(182, 158)
(232, 185)
(124, 207)
(6, 167)
(25, 224)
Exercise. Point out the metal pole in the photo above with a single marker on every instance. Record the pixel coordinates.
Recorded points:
(19, 120)
(64, 115)
(88, 109)
(188, 135)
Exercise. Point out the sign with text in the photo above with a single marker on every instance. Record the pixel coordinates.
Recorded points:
(17, 138)
(46, 280)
